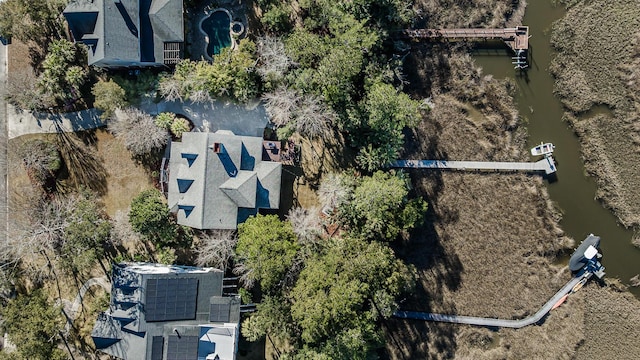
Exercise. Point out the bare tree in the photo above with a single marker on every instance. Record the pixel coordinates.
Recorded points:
(200, 96)
(314, 117)
(247, 277)
(138, 131)
(306, 224)
(122, 231)
(170, 89)
(281, 105)
(333, 191)
(216, 248)
(273, 60)
(35, 233)
(24, 92)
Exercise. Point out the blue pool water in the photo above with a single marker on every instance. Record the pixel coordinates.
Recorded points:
(217, 26)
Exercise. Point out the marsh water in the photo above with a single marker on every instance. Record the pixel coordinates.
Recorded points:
(573, 191)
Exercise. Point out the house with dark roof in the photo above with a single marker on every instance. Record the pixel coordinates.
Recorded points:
(168, 312)
(217, 180)
(128, 33)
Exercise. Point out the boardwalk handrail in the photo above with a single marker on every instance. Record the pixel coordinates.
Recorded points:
(492, 322)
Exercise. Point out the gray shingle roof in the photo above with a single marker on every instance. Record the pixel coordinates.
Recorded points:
(225, 184)
(126, 32)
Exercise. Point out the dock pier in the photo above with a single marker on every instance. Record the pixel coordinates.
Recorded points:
(516, 38)
(585, 262)
(498, 323)
(547, 164)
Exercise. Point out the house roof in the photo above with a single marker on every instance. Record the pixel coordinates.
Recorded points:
(226, 177)
(125, 31)
(166, 317)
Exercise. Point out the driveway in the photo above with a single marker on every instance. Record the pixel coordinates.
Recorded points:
(248, 120)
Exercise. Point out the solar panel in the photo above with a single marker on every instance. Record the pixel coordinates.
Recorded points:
(171, 299)
(182, 348)
(219, 312)
(156, 347)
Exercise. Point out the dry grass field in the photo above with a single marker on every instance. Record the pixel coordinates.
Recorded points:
(124, 177)
(598, 63)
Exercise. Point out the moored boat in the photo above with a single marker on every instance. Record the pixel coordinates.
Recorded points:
(579, 285)
(542, 149)
(562, 300)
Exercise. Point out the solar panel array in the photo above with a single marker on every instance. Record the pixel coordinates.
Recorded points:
(219, 312)
(182, 348)
(171, 299)
(156, 348)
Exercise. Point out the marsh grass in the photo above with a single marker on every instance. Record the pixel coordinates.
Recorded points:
(490, 239)
(611, 323)
(471, 13)
(598, 63)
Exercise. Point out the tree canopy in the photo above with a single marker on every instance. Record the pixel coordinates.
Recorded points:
(332, 310)
(232, 74)
(266, 249)
(385, 113)
(149, 215)
(32, 20)
(109, 96)
(379, 207)
(64, 71)
(85, 235)
(33, 324)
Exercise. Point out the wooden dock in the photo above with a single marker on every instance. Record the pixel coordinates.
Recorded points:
(517, 38)
(547, 165)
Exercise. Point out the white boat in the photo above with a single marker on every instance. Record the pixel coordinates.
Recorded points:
(542, 149)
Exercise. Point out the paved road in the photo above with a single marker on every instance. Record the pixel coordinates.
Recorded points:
(490, 322)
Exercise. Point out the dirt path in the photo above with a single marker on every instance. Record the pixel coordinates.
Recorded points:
(72, 309)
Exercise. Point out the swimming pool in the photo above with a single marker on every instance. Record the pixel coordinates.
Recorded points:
(217, 28)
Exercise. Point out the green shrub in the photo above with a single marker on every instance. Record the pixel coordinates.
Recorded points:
(165, 120)
(109, 96)
(179, 126)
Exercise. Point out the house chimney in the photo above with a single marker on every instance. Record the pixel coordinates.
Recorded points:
(216, 147)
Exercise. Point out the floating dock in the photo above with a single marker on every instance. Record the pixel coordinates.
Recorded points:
(547, 165)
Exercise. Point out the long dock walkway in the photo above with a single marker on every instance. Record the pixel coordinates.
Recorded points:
(517, 38)
(547, 165)
(491, 322)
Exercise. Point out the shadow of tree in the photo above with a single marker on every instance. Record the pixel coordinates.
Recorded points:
(84, 166)
(427, 67)
(437, 266)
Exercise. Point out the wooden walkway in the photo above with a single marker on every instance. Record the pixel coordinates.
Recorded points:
(547, 165)
(496, 323)
(516, 38)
